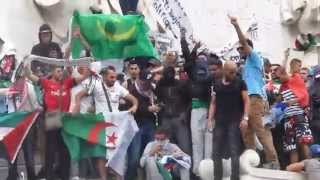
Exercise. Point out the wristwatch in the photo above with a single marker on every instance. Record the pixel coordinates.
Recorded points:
(246, 118)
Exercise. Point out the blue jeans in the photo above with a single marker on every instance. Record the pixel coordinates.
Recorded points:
(139, 142)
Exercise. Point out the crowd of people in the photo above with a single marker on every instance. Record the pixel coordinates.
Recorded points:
(204, 109)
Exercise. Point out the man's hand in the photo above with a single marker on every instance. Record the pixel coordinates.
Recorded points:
(133, 109)
(76, 32)
(183, 32)
(156, 149)
(154, 108)
(198, 45)
(27, 72)
(210, 124)
(177, 153)
(233, 20)
(244, 124)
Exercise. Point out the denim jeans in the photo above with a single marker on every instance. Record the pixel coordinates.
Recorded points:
(139, 142)
(230, 133)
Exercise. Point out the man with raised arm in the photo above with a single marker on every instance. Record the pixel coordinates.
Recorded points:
(253, 75)
(57, 97)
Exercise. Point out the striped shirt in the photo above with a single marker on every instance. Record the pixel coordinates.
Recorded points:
(294, 109)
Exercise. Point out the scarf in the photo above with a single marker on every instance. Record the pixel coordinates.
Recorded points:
(148, 93)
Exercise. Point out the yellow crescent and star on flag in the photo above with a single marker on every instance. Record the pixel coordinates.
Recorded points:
(115, 36)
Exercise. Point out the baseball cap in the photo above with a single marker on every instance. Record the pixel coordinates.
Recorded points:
(315, 150)
(45, 28)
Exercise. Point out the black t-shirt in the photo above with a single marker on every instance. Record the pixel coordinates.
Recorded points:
(229, 102)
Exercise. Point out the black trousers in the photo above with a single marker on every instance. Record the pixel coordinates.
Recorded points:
(55, 145)
(28, 153)
(128, 5)
(226, 137)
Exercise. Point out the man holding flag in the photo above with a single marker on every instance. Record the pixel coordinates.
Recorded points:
(57, 96)
(161, 156)
(107, 94)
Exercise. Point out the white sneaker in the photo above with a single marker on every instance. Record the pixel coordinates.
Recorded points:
(75, 178)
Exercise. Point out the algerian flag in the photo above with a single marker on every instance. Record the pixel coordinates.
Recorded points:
(14, 127)
(106, 135)
(113, 36)
(166, 175)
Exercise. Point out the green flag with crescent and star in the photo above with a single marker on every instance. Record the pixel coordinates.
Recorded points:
(99, 135)
(113, 36)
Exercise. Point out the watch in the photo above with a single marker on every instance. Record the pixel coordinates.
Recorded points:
(246, 118)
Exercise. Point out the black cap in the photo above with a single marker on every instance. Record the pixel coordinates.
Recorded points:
(44, 28)
(133, 61)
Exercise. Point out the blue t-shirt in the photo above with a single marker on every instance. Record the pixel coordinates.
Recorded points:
(253, 75)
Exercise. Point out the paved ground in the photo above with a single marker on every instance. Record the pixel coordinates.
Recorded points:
(21, 168)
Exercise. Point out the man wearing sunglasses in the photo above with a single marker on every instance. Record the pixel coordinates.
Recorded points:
(253, 75)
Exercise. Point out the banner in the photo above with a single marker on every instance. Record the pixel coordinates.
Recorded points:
(173, 18)
(229, 52)
(59, 62)
(162, 42)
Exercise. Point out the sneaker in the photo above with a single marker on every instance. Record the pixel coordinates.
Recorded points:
(271, 165)
(76, 178)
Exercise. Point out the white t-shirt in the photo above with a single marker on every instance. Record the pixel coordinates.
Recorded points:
(115, 93)
(86, 101)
